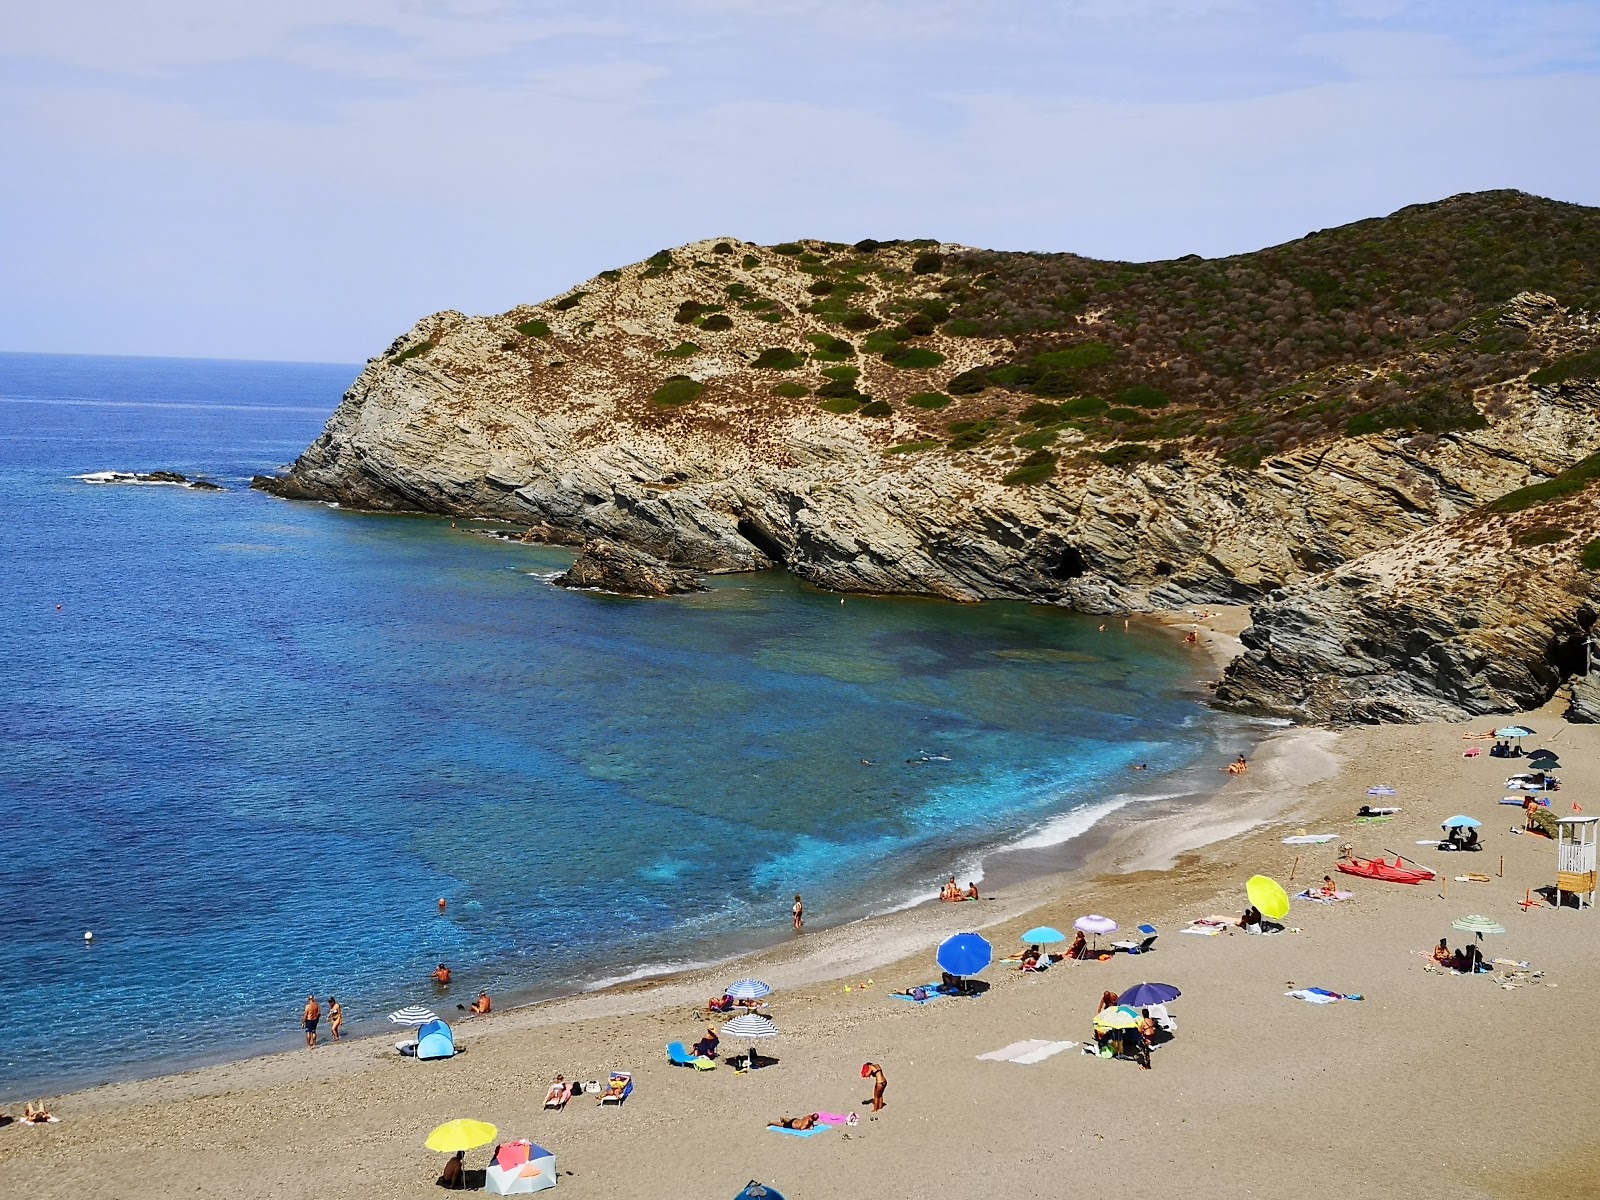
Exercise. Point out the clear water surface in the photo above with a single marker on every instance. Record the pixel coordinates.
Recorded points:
(250, 743)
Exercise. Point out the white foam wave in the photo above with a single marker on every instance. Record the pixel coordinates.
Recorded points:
(649, 972)
(1079, 821)
(125, 477)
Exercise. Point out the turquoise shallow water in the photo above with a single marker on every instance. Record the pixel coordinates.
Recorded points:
(260, 739)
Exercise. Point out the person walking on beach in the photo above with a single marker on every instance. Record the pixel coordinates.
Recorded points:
(311, 1016)
(880, 1083)
(335, 1018)
(799, 913)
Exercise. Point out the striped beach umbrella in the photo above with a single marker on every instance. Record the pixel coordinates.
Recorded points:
(748, 989)
(1478, 925)
(751, 1025)
(416, 1015)
(1381, 789)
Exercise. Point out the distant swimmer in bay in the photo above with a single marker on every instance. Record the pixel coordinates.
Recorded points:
(867, 762)
(924, 757)
(443, 904)
(1140, 767)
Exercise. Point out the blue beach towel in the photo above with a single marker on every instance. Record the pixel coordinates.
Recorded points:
(930, 993)
(812, 1132)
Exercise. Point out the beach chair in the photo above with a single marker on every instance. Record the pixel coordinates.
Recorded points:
(679, 1056)
(1147, 935)
(617, 1097)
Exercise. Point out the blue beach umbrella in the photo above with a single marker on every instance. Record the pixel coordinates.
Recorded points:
(1514, 731)
(1460, 822)
(748, 989)
(1143, 995)
(964, 954)
(1043, 936)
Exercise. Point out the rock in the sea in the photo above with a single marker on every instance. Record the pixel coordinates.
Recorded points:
(607, 567)
(171, 478)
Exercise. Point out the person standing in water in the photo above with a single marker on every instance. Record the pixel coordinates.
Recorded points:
(335, 1018)
(799, 911)
(311, 1016)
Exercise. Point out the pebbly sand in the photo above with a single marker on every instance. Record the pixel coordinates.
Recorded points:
(1434, 1085)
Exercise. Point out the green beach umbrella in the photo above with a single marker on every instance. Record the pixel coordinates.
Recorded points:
(1478, 925)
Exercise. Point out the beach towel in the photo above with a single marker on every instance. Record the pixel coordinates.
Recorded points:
(1321, 898)
(821, 1127)
(1027, 1053)
(1322, 995)
(926, 994)
(1372, 820)
(1202, 930)
(839, 1118)
(1042, 1053)
(1309, 839)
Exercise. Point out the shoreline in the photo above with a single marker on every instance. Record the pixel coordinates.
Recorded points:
(1028, 871)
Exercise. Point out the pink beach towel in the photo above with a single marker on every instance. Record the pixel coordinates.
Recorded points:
(838, 1118)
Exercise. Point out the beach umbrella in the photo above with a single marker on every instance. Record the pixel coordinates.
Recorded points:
(748, 989)
(751, 1025)
(1268, 896)
(758, 1191)
(416, 1015)
(1460, 821)
(1514, 731)
(1095, 923)
(1478, 925)
(964, 954)
(1143, 995)
(1382, 789)
(461, 1134)
(1043, 935)
(1117, 1017)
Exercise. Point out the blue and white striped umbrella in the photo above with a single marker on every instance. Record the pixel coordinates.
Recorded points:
(416, 1015)
(748, 989)
(751, 1025)
(1382, 789)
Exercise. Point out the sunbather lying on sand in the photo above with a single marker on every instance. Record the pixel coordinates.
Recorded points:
(36, 1116)
(806, 1122)
(560, 1092)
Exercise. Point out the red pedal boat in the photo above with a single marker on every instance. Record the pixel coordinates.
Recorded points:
(1377, 868)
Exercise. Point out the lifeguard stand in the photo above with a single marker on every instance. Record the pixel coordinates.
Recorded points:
(1575, 857)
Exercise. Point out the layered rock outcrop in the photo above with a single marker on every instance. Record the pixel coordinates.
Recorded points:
(607, 567)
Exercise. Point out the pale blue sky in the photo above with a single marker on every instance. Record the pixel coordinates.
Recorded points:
(305, 178)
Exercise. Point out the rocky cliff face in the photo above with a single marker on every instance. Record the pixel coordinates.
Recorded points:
(704, 408)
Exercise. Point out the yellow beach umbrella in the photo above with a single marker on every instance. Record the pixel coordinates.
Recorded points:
(1268, 896)
(1117, 1017)
(461, 1134)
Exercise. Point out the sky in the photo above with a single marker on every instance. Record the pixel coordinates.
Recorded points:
(304, 179)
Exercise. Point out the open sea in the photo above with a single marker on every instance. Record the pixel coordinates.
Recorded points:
(250, 743)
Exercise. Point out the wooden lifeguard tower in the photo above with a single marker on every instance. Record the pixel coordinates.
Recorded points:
(1576, 836)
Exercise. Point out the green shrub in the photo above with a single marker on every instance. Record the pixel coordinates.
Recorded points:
(1543, 535)
(681, 350)
(967, 434)
(772, 318)
(841, 404)
(1076, 358)
(867, 246)
(846, 374)
(678, 390)
(568, 302)
(1574, 479)
(968, 383)
(748, 261)
(1248, 456)
(830, 348)
(839, 388)
(738, 291)
(1041, 414)
(1084, 406)
(821, 287)
(778, 358)
(610, 276)
(1435, 409)
(936, 311)
(877, 408)
(412, 352)
(859, 322)
(661, 260)
(919, 325)
(688, 312)
(1126, 454)
(789, 248)
(1037, 440)
(1589, 556)
(716, 322)
(932, 400)
(789, 389)
(964, 327)
(1128, 416)
(1142, 395)
(1584, 365)
(1036, 468)
(912, 358)
(722, 248)
(929, 262)
(881, 341)
(534, 328)
(913, 447)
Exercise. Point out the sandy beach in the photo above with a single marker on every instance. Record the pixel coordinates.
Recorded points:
(1433, 1085)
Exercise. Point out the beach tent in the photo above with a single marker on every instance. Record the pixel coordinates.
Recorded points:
(758, 1191)
(434, 1040)
(519, 1167)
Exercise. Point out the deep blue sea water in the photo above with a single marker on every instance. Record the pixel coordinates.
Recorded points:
(249, 743)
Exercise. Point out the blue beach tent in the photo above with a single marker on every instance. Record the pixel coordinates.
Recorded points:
(758, 1191)
(434, 1040)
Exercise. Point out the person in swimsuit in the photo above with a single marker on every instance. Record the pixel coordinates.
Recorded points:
(482, 1006)
(808, 1121)
(335, 1018)
(1441, 953)
(1328, 886)
(311, 1016)
(36, 1116)
(441, 975)
(799, 911)
(1107, 1000)
(972, 890)
(880, 1083)
(1079, 947)
(706, 1047)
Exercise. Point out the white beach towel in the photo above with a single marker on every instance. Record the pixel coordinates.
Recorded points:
(1203, 930)
(1309, 839)
(1043, 1052)
(1027, 1053)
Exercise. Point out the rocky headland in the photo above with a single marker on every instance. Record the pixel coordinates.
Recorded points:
(1314, 429)
(607, 567)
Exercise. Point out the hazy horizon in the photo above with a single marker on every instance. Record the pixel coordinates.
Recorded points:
(303, 183)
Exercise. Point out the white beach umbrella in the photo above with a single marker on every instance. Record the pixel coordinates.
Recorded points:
(748, 989)
(751, 1025)
(416, 1015)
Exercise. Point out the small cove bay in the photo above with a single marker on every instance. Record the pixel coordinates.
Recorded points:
(258, 741)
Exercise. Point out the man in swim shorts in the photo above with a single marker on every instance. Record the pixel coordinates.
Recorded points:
(311, 1016)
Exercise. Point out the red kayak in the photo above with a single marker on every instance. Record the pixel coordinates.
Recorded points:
(1377, 868)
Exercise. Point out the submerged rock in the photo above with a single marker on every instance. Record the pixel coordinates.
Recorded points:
(607, 567)
(171, 478)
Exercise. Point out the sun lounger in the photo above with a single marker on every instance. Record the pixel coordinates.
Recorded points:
(1143, 946)
(613, 1097)
(679, 1056)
